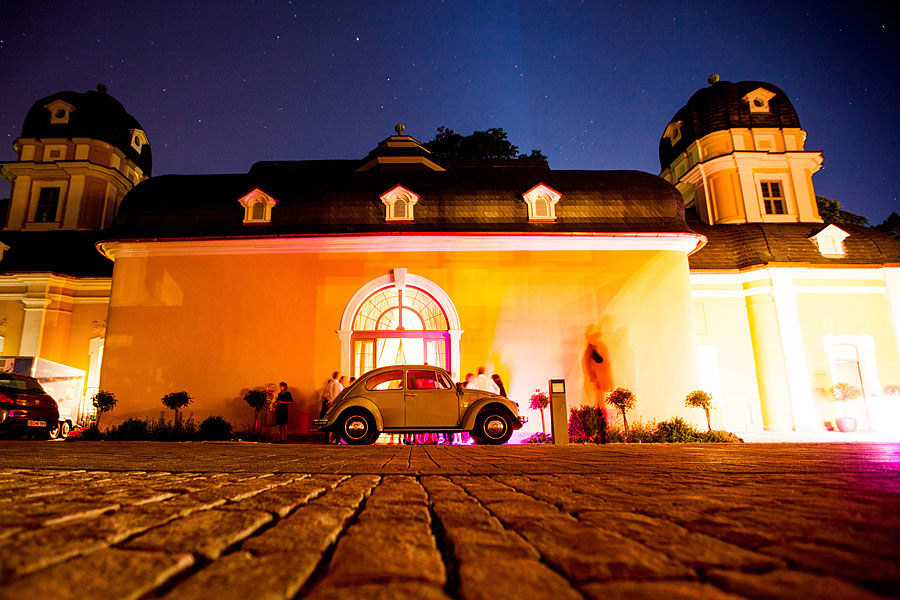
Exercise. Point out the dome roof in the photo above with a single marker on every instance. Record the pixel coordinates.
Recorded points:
(724, 105)
(96, 115)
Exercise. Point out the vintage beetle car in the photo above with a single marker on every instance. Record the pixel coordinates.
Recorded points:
(25, 407)
(414, 399)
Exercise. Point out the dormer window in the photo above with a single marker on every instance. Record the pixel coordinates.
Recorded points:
(138, 139)
(758, 100)
(830, 241)
(257, 206)
(673, 132)
(541, 201)
(60, 111)
(399, 203)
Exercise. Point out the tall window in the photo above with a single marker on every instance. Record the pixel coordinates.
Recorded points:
(773, 197)
(48, 205)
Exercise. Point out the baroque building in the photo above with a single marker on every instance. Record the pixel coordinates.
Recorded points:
(718, 274)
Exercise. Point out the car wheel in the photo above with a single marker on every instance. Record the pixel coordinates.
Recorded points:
(358, 427)
(64, 429)
(53, 431)
(492, 427)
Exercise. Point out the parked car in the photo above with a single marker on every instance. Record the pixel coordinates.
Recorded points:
(417, 399)
(25, 408)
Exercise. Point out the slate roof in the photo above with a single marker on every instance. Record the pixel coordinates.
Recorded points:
(329, 197)
(719, 107)
(63, 252)
(753, 244)
(97, 115)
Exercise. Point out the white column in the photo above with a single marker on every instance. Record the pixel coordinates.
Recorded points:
(33, 326)
(892, 282)
(345, 335)
(785, 296)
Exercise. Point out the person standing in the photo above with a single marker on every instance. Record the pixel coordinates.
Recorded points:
(484, 383)
(281, 409)
(332, 389)
(499, 383)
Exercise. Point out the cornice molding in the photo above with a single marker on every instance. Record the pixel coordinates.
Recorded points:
(676, 242)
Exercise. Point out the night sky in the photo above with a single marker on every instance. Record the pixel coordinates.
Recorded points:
(218, 86)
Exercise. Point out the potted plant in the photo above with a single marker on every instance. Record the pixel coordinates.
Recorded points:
(623, 399)
(700, 399)
(258, 400)
(104, 401)
(176, 401)
(842, 392)
(540, 401)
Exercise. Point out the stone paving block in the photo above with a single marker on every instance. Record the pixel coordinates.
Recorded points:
(872, 571)
(654, 590)
(33, 550)
(108, 573)
(280, 500)
(56, 509)
(362, 558)
(392, 590)
(414, 512)
(480, 544)
(787, 585)
(206, 533)
(242, 576)
(311, 527)
(523, 507)
(693, 549)
(511, 578)
(584, 552)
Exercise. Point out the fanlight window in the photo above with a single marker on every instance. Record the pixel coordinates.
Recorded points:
(407, 309)
(396, 326)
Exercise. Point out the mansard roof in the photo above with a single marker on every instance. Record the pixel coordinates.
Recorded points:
(333, 197)
(756, 244)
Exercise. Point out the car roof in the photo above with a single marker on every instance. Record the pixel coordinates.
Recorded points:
(403, 367)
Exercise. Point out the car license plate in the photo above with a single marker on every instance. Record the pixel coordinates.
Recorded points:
(30, 423)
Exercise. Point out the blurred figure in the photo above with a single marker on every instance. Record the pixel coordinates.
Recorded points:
(332, 389)
(484, 383)
(468, 381)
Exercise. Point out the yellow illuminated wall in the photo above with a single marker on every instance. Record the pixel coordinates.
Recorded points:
(218, 325)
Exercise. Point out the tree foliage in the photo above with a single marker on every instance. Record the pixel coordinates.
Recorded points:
(891, 226)
(492, 144)
(257, 399)
(623, 399)
(176, 400)
(831, 212)
(103, 401)
(700, 399)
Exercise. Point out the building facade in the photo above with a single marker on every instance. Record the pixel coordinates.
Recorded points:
(719, 274)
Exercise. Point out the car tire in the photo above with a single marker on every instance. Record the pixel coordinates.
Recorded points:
(492, 427)
(358, 428)
(64, 429)
(53, 431)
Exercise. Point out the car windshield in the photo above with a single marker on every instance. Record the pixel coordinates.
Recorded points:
(389, 380)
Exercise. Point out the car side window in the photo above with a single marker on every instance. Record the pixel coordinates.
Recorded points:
(389, 380)
(426, 380)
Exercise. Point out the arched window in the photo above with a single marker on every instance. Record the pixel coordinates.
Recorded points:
(259, 210)
(399, 319)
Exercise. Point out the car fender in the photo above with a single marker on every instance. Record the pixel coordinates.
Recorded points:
(471, 414)
(358, 402)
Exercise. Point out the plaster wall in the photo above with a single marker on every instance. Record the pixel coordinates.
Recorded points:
(219, 325)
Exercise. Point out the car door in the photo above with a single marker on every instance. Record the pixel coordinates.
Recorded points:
(385, 390)
(431, 400)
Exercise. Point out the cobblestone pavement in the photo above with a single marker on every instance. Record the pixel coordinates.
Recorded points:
(232, 520)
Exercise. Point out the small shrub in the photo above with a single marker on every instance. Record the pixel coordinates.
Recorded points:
(257, 399)
(676, 430)
(717, 436)
(253, 435)
(584, 423)
(638, 431)
(538, 438)
(91, 433)
(177, 431)
(215, 429)
(130, 429)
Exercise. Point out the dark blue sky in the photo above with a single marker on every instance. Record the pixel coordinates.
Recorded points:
(220, 85)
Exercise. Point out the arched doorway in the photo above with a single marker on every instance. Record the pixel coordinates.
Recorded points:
(399, 319)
